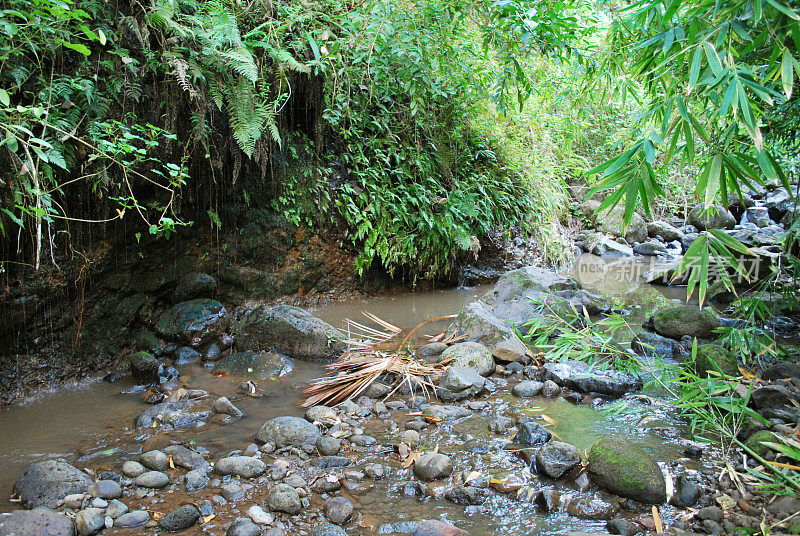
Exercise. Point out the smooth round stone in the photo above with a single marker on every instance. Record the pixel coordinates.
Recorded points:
(328, 446)
(431, 467)
(116, 508)
(284, 498)
(259, 516)
(196, 480)
(154, 460)
(243, 527)
(180, 519)
(133, 469)
(90, 521)
(105, 489)
(338, 510)
(152, 479)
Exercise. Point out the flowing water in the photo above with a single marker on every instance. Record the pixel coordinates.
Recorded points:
(91, 422)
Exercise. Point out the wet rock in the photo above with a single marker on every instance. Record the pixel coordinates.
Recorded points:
(328, 446)
(144, 367)
(259, 516)
(527, 389)
(447, 413)
(242, 466)
(781, 370)
(243, 527)
(196, 479)
(147, 341)
(152, 479)
(549, 500)
(623, 468)
(374, 471)
(326, 529)
(232, 491)
(755, 442)
(716, 217)
(772, 396)
(501, 425)
(159, 411)
(288, 330)
(433, 349)
(338, 510)
(438, 528)
(331, 462)
(623, 527)
(193, 322)
(195, 285)
(550, 389)
(261, 366)
(579, 376)
(430, 467)
(185, 355)
(46, 483)
(686, 493)
(327, 484)
(361, 440)
(38, 522)
(680, 320)
(510, 350)
(181, 518)
(603, 245)
(133, 469)
(460, 382)
(116, 508)
(132, 519)
(471, 354)
(467, 495)
(531, 434)
(713, 357)
(186, 457)
(556, 458)
(595, 506)
(90, 521)
(287, 432)
(225, 407)
(322, 414)
(410, 438)
(105, 489)
(650, 344)
(377, 390)
(284, 498)
(154, 460)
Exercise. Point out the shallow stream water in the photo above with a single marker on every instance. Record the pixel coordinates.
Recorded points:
(90, 422)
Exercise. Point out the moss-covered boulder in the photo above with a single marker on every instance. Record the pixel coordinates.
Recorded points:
(754, 442)
(627, 470)
(288, 330)
(713, 357)
(471, 354)
(680, 320)
(193, 322)
(144, 367)
(255, 365)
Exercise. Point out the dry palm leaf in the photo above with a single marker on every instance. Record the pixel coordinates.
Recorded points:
(372, 353)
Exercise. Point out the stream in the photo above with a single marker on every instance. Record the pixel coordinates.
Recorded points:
(90, 423)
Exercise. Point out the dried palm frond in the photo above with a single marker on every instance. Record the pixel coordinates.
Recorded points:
(371, 354)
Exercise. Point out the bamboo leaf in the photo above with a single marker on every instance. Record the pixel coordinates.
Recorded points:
(787, 73)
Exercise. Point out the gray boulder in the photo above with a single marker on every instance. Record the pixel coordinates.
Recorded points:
(460, 382)
(610, 221)
(447, 413)
(195, 285)
(38, 522)
(338, 510)
(606, 246)
(45, 483)
(224, 406)
(172, 413)
(625, 469)
(716, 217)
(186, 457)
(243, 466)
(527, 389)
(193, 322)
(680, 320)
(284, 498)
(651, 344)
(471, 354)
(531, 434)
(556, 458)
(132, 519)
(287, 432)
(255, 365)
(665, 230)
(152, 479)
(579, 376)
(430, 467)
(288, 330)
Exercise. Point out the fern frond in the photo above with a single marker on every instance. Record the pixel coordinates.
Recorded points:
(241, 61)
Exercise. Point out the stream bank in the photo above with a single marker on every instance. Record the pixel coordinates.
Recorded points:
(481, 481)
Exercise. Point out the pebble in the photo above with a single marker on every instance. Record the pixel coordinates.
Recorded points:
(116, 508)
(431, 467)
(154, 460)
(232, 491)
(284, 498)
(133, 469)
(180, 519)
(338, 510)
(259, 516)
(152, 479)
(410, 438)
(243, 527)
(196, 480)
(90, 521)
(374, 470)
(328, 446)
(105, 489)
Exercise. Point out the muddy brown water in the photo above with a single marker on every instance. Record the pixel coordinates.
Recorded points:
(90, 423)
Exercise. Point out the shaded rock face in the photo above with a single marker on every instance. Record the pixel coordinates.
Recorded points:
(651, 344)
(556, 458)
(288, 330)
(610, 222)
(195, 285)
(665, 230)
(39, 522)
(255, 365)
(715, 218)
(45, 483)
(193, 322)
(146, 369)
(579, 376)
(675, 322)
(288, 432)
(623, 468)
(713, 357)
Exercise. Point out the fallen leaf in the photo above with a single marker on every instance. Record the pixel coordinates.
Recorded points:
(208, 518)
(657, 521)
(548, 419)
(220, 374)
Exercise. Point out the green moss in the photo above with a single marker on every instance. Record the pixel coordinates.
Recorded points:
(713, 357)
(754, 442)
(625, 469)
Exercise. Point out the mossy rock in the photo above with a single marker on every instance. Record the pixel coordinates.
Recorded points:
(193, 322)
(144, 367)
(627, 470)
(146, 340)
(754, 442)
(289, 330)
(680, 320)
(713, 357)
(471, 354)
